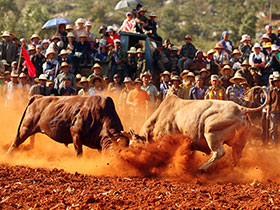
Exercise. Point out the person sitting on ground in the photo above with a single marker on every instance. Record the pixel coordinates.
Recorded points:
(177, 89)
(187, 54)
(164, 85)
(97, 88)
(40, 88)
(245, 47)
(198, 91)
(215, 91)
(235, 91)
(84, 85)
(65, 89)
(129, 24)
(227, 73)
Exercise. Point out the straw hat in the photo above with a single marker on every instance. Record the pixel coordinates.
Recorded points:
(49, 82)
(35, 36)
(225, 68)
(184, 73)
(50, 51)
(237, 76)
(7, 72)
(245, 37)
(95, 78)
(165, 73)
(256, 45)
(80, 20)
(69, 27)
(96, 66)
(132, 50)
(176, 78)
(245, 63)
(215, 77)
(65, 64)
(204, 70)
(276, 79)
(152, 14)
(22, 75)
(5, 63)
(235, 51)
(212, 51)
(187, 36)
(190, 74)
(78, 76)
(31, 47)
(63, 52)
(70, 34)
(142, 10)
(146, 73)
(83, 79)
(45, 41)
(265, 36)
(6, 34)
(127, 79)
(138, 80)
(13, 74)
(41, 77)
(274, 47)
(267, 45)
(139, 50)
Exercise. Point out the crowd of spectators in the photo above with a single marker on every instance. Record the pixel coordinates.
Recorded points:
(74, 61)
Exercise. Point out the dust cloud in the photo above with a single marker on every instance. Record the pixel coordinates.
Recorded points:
(170, 157)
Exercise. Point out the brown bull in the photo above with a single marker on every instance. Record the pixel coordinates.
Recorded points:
(82, 120)
(210, 123)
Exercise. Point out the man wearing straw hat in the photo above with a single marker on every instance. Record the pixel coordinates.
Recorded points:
(84, 85)
(177, 89)
(152, 27)
(234, 92)
(226, 72)
(12, 86)
(128, 86)
(198, 91)
(40, 88)
(8, 50)
(245, 72)
(215, 91)
(273, 110)
(64, 68)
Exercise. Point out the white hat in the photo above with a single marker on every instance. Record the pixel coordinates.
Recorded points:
(88, 23)
(6, 34)
(274, 47)
(70, 34)
(245, 37)
(256, 45)
(117, 40)
(127, 79)
(50, 51)
(41, 77)
(132, 50)
(80, 20)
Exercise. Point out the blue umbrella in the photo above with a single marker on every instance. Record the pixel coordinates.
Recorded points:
(126, 3)
(56, 22)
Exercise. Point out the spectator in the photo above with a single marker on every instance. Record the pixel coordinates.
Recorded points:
(265, 39)
(115, 86)
(31, 51)
(112, 36)
(81, 51)
(245, 47)
(198, 62)
(198, 91)
(187, 54)
(131, 62)
(45, 44)
(226, 43)
(257, 58)
(235, 60)
(164, 85)
(72, 44)
(256, 78)
(149, 88)
(189, 82)
(141, 21)
(102, 30)
(63, 57)
(7, 77)
(177, 89)
(227, 73)
(215, 91)
(97, 69)
(204, 76)
(267, 49)
(12, 87)
(245, 72)
(124, 93)
(38, 60)
(152, 27)
(8, 49)
(65, 89)
(97, 88)
(174, 57)
(92, 54)
(54, 45)
(210, 62)
(129, 24)
(50, 67)
(69, 28)
(272, 36)
(59, 81)
(220, 57)
(161, 58)
(141, 63)
(61, 32)
(23, 86)
(273, 110)
(234, 92)
(84, 85)
(41, 88)
(53, 91)
(80, 22)
(274, 60)
(88, 26)
(35, 40)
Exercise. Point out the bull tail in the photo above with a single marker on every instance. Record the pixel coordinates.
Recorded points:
(247, 110)
(31, 100)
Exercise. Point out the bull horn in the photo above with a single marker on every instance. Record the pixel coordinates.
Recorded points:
(247, 110)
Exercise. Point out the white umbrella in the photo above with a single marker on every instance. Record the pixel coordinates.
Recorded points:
(126, 3)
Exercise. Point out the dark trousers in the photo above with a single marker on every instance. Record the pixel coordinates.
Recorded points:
(265, 128)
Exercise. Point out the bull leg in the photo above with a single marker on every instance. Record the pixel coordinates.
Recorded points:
(23, 135)
(32, 141)
(217, 149)
(78, 145)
